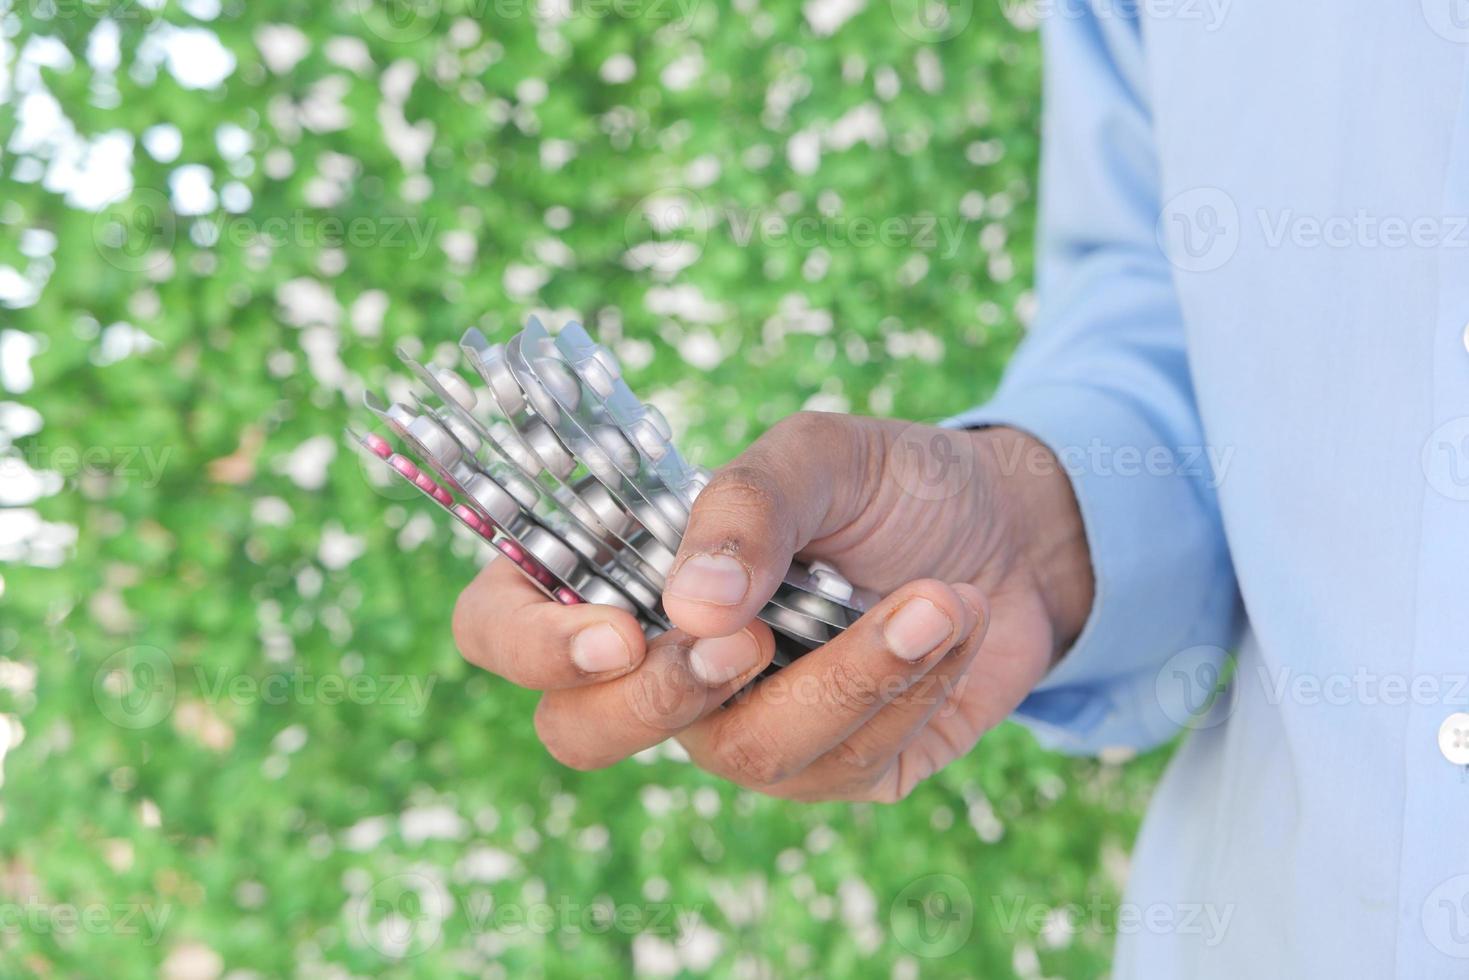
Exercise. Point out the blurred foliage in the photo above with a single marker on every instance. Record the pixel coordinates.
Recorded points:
(211, 705)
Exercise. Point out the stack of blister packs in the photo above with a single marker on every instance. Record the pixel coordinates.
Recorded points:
(556, 462)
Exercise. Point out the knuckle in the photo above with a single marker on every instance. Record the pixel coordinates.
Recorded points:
(855, 758)
(887, 788)
(806, 427)
(666, 700)
(849, 688)
(742, 485)
(750, 756)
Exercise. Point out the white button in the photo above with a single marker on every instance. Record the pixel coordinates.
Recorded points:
(1453, 738)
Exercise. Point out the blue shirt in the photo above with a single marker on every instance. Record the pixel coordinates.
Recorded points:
(1251, 356)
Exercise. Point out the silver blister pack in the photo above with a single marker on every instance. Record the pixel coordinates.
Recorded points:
(554, 461)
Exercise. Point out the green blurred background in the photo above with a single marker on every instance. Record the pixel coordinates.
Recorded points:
(238, 740)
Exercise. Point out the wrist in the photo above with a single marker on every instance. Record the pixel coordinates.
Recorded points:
(1046, 528)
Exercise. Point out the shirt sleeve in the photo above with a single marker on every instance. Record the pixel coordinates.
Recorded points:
(1103, 380)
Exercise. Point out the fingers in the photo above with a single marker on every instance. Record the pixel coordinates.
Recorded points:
(884, 759)
(798, 715)
(680, 681)
(801, 480)
(505, 625)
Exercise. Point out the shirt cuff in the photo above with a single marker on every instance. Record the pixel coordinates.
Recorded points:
(1139, 498)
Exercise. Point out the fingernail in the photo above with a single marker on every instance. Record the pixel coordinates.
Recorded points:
(717, 579)
(598, 649)
(718, 659)
(916, 629)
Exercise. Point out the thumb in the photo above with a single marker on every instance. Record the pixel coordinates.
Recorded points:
(801, 481)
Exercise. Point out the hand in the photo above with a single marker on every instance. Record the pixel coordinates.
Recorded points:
(974, 537)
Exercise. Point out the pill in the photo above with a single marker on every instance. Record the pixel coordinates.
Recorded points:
(377, 445)
(435, 439)
(559, 382)
(658, 420)
(493, 499)
(584, 544)
(672, 508)
(602, 593)
(652, 444)
(511, 550)
(638, 590)
(524, 490)
(501, 379)
(608, 360)
(551, 552)
(548, 448)
(464, 434)
(568, 598)
(456, 388)
(466, 514)
(609, 512)
(403, 465)
(597, 377)
(618, 449)
(399, 413)
(540, 399)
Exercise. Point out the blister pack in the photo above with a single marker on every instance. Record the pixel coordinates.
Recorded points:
(553, 460)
